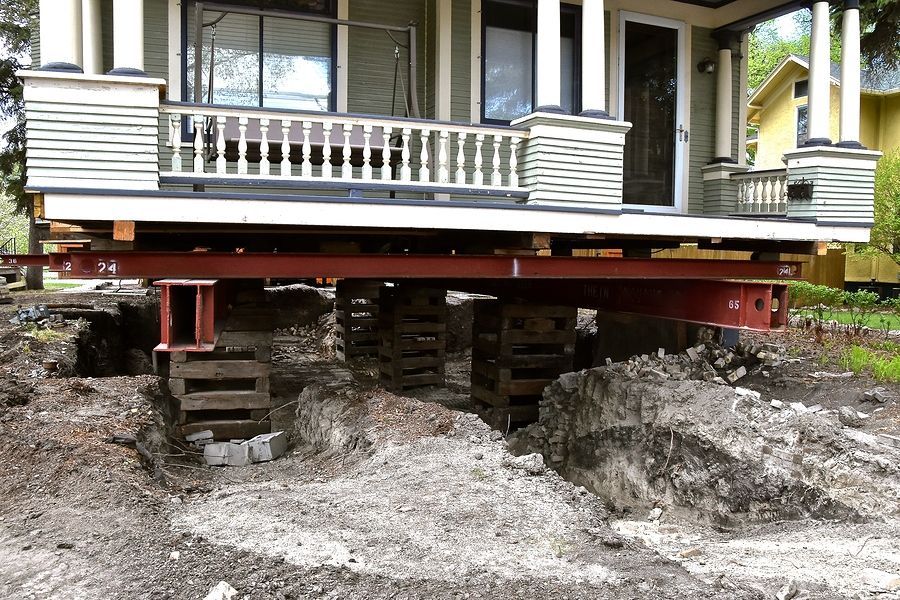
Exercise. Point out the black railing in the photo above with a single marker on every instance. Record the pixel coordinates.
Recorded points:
(9, 246)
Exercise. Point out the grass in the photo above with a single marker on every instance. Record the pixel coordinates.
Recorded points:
(45, 335)
(877, 320)
(883, 368)
(60, 285)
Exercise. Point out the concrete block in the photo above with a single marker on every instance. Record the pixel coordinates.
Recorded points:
(890, 440)
(267, 446)
(881, 580)
(222, 591)
(226, 453)
(693, 354)
(206, 434)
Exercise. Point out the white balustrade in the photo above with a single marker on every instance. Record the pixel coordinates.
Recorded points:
(762, 192)
(243, 143)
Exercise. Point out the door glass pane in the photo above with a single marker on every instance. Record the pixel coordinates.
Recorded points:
(651, 79)
(296, 64)
(507, 73)
(236, 73)
(567, 75)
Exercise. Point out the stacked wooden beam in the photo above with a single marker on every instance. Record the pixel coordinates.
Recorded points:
(412, 325)
(356, 319)
(517, 350)
(227, 390)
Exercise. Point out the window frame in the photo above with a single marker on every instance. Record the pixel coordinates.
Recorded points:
(565, 8)
(797, 124)
(805, 93)
(187, 5)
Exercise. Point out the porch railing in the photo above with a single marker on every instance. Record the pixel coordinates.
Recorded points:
(762, 192)
(9, 246)
(230, 144)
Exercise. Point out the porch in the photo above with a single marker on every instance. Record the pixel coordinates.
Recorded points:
(120, 147)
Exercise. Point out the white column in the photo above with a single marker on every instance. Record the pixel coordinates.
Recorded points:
(128, 37)
(724, 100)
(819, 76)
(91, 36)
(60, 31)
(593, 59)
(443, 81)
(548, 56)
(850, 72)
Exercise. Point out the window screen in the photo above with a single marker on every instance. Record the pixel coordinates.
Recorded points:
(802, 120)
(263, 61)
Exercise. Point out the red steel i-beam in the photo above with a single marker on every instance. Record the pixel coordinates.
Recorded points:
(220, 265)
(25, 260)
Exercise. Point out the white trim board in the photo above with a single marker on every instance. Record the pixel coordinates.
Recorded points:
(155, 208)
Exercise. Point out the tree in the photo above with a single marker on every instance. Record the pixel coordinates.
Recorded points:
(768, 47)
(879, 24)
(16, 25)
(886, 230)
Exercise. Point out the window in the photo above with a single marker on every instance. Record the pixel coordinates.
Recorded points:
(802, 117)
(509, 30)
(263, 61)
(801, 88)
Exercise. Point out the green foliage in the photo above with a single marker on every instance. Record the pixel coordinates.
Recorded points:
(886, 230)
(879, 42)
(883, 368)
(856, 310)
(861, 305)
(13, 224)
(16, 23)
(768, 47)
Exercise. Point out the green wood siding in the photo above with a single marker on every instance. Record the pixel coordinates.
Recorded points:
(703, 116)
(461, 62)
(371, 56)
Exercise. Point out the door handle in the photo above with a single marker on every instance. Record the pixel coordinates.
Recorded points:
(683, 134)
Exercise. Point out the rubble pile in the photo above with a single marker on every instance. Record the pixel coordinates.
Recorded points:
(40, 314)
(704, 362)
(238, 453)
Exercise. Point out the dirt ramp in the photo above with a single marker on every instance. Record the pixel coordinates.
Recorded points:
(722, 455)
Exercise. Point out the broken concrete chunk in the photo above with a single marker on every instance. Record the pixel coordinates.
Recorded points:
(226, 453)
(777, 404)
(849, 417)
(655, 514)
(788, 591)
(267, 446)
(876, 395)
(690, 552)
(533, 464)
(744, 392)
(609, 361)
(693, 354)
(815, 408)
(222, 591)
(798, 407)
(890, 440)
(661, 353)
(720, 363)
(736, 374)
(881, 580)
(206, 434)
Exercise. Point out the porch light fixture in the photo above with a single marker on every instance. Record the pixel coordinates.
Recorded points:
(707, 65)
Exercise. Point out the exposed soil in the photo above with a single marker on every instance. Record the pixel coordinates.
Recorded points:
(381, 496)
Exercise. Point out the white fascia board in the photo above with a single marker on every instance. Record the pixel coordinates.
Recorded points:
(162, 208)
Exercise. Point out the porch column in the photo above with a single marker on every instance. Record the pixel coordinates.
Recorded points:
(548, 57)
(91, 37)
(724, 99)
(60, 31)
(819, 77)
(850, 72)
(128, 37)
(593, 60)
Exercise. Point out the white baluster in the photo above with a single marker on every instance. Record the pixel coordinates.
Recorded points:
(496, 177)
(782, 195)
(424, 172)
(513, 161)
(347, 168)
(264, 147)
(386, 153)
(460, 158)
(199, 166)
(306, 165)
(367, 153)
(242, 145)
(326, 150)
(478, 175)
(176, 143)
(221, 164)
(285, 148)
(405, 170)
(443, 158)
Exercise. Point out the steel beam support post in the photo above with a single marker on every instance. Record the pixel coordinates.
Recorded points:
(188, 311)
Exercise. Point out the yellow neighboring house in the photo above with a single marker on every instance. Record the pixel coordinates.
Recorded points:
(778, 110)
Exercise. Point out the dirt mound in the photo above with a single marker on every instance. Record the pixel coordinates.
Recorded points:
(720, 454)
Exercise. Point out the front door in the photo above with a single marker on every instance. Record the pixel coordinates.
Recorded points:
(651, 97)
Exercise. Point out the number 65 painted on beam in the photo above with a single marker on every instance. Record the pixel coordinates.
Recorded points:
(734, 305)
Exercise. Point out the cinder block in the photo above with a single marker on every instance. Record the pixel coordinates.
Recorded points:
(226, 453)
(267, 446)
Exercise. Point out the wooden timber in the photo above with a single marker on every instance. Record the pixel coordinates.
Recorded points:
(412, 328)
(356, 319)
(517, 350)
